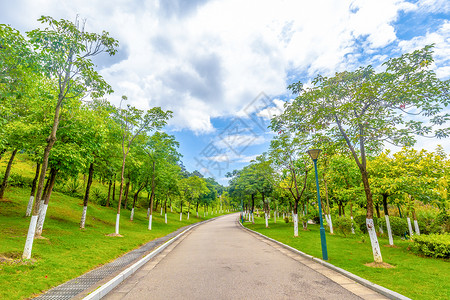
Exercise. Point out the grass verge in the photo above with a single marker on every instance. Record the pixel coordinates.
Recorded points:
(413, 276)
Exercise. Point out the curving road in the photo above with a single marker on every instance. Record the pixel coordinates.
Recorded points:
(219, 260)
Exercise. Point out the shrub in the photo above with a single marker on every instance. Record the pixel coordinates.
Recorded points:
(342, 225)
(434, 245)
(398, 225)
(98, 196)
(360, 220)
(19, 181)
(286, 219)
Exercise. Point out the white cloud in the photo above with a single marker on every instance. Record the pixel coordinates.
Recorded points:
(441, 39)
(205, 59)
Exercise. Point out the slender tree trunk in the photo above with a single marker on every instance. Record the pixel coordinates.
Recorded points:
(33, 190)
(197, 208)
(189, 209)
(253, 209)
(50, 142)
(181, 210)
(127, 187)
(152, 198)
(351, 217)
(120, 194)
(86, 195)
(43, 209)
(109, 193)
(114, 189)
(7, 172)
(386, 216)
(416, 224)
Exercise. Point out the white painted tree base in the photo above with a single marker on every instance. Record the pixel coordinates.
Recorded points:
(331, 224)
(132, 214)
(295, 225)
(117, 223)
(30, 238)
(83, 217)
(29, 206)
(181, 216)
(150, 222)
(165, 218)
(416, 227)
(353, 229)
(374, 241)
(409, 227)
(197, 214)
(267, 220)
(41, 219)
(148, 212)
(161, 211)
(388, 228)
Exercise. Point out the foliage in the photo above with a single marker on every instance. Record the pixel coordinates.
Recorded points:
(434, 245)
(360, 220)
(398, 225)
(343, 225)
(18, 180)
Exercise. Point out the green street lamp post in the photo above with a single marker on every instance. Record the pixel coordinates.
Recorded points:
(314, 154)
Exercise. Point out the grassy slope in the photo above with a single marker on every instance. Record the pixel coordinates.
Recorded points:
(67, 251)
(413, 276)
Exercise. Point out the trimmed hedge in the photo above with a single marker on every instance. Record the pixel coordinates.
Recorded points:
(434, 245)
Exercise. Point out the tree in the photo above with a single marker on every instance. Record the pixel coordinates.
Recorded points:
(134, 122)
(366, 108)
(161, 151)
(65, 51)
(288, 153)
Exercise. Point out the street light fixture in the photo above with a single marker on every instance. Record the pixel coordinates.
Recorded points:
(314, 154)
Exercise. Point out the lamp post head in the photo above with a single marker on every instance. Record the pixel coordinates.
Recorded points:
(314, 153)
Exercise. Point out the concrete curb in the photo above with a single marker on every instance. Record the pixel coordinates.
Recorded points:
(375, 287)
(110, 285)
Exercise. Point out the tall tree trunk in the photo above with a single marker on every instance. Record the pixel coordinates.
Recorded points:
(50, 142)
(386, 217)
(152, 197)
(114, 189)
(86, 195)
(47, 195)
(127, 187)
(109, 193)
(253, 209)
(33, 190)
(189, 209)
(197, 208)
(7, 172)
(416, 224)
(181, 210)
(122, 172)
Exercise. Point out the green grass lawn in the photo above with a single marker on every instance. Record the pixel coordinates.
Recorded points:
(67, 252)
(413, 276)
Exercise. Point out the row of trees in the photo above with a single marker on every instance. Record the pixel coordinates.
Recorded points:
(351, 116)
(53, 108)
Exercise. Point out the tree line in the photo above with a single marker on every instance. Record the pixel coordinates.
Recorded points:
(351, 117)
(54, 108)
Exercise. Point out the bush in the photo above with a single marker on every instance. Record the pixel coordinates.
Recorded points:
(19, 181)
(434, 245)
(360, 220)
(398, 225)
(342, 225)
(98, 196)
(286, 219)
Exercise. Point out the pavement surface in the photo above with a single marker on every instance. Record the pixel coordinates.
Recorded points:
(220, 260)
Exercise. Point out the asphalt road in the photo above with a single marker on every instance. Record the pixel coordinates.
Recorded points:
(219, 260)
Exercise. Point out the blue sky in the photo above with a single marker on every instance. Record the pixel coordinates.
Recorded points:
(222, 66)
